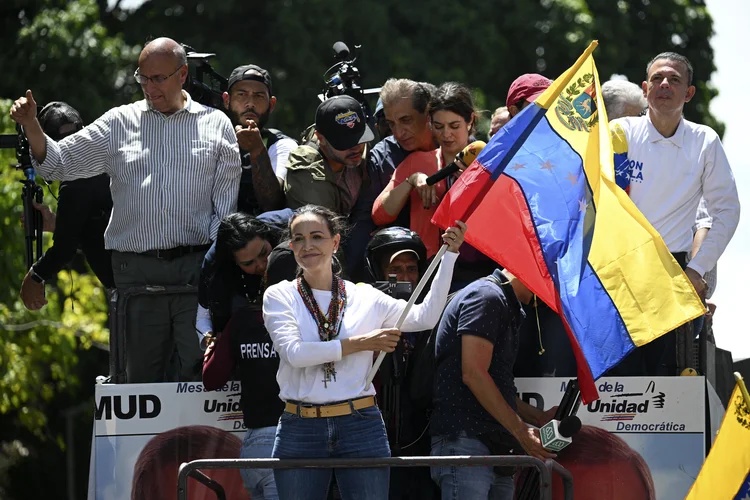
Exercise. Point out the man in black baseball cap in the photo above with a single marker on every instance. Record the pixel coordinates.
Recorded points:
(330, 170)
(249, 101)
(342, 123)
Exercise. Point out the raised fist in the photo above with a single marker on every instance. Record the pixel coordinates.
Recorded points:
(23, 110)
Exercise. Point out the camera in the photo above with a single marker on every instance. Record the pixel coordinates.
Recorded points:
(396, 289)
(208, 94)
(343, 78)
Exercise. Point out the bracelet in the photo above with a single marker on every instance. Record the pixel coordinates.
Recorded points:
(208, 339)
(409, 182)
(35, 276)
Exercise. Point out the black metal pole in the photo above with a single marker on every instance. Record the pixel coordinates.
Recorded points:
(545, 469)
(568, 406)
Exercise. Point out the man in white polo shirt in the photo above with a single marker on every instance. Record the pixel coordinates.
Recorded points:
(667, 164)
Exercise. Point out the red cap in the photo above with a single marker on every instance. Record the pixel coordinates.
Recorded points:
(527, 88)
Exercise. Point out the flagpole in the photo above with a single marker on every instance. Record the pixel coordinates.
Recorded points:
(425, 278)
(743, 388)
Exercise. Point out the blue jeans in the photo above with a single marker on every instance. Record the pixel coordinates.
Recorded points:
(475, 482)
(359, 435)
(259, 483)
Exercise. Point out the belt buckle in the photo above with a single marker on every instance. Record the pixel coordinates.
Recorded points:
(307, 405)
(164, 253)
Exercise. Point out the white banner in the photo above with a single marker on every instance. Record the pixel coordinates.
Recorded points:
(630, 404)
(132, 409)
(662, 420)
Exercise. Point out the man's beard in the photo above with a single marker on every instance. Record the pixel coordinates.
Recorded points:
(238, 119)
(332, 156)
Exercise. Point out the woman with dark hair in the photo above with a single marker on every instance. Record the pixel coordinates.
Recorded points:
(452, 118)
(234, 268)
(326, 331)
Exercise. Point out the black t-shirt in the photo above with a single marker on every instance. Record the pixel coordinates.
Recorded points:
(247, 201)
(83, 210)
(257, 363)
(484, 310)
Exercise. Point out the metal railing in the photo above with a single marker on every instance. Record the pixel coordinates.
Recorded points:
(193, 469)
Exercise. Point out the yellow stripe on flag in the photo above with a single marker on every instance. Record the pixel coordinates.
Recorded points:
(728, 464)
(649, 289)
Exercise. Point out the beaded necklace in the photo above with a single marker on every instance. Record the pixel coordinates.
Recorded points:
(330, 323)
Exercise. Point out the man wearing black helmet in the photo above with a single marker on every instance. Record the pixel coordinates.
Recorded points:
(396, 251)
(399, 252)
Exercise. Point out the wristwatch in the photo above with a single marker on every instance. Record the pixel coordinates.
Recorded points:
(35, 276)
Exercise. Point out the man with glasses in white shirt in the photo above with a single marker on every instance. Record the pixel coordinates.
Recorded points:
(174, 167)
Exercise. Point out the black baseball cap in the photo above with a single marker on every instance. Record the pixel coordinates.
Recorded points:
(250, 72)
(59, 119)
(342, 122)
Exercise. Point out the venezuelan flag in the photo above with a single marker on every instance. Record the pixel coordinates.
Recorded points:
(724, 475)
(541, 200)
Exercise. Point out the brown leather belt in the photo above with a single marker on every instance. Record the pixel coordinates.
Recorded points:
(306, 410)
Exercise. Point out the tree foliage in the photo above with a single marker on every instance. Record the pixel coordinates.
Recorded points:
(65, 53)
(38, 349)
(484, 43)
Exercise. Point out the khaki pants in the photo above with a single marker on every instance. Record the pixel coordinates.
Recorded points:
(159, 325)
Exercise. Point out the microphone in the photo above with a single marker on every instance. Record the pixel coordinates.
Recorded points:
(557, 434)
(466, 156)
(340, 50)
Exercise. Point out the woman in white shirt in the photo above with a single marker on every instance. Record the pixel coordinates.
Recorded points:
(326, 331)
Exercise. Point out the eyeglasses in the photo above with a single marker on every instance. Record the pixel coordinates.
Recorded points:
(158, 79)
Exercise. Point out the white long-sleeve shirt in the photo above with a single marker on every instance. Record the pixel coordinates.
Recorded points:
(302, 353)
(668, 176)
(173, 178)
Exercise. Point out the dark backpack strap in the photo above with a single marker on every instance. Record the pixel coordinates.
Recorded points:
(272, 136)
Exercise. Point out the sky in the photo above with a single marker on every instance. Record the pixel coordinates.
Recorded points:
(730, 106)
(732, 75)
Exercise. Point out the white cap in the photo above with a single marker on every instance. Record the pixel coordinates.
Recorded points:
(401, 252)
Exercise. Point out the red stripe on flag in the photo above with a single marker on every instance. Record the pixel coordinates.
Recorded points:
(458, 202)
(500, 226)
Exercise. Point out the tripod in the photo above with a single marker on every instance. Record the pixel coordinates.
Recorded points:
(31, 192)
